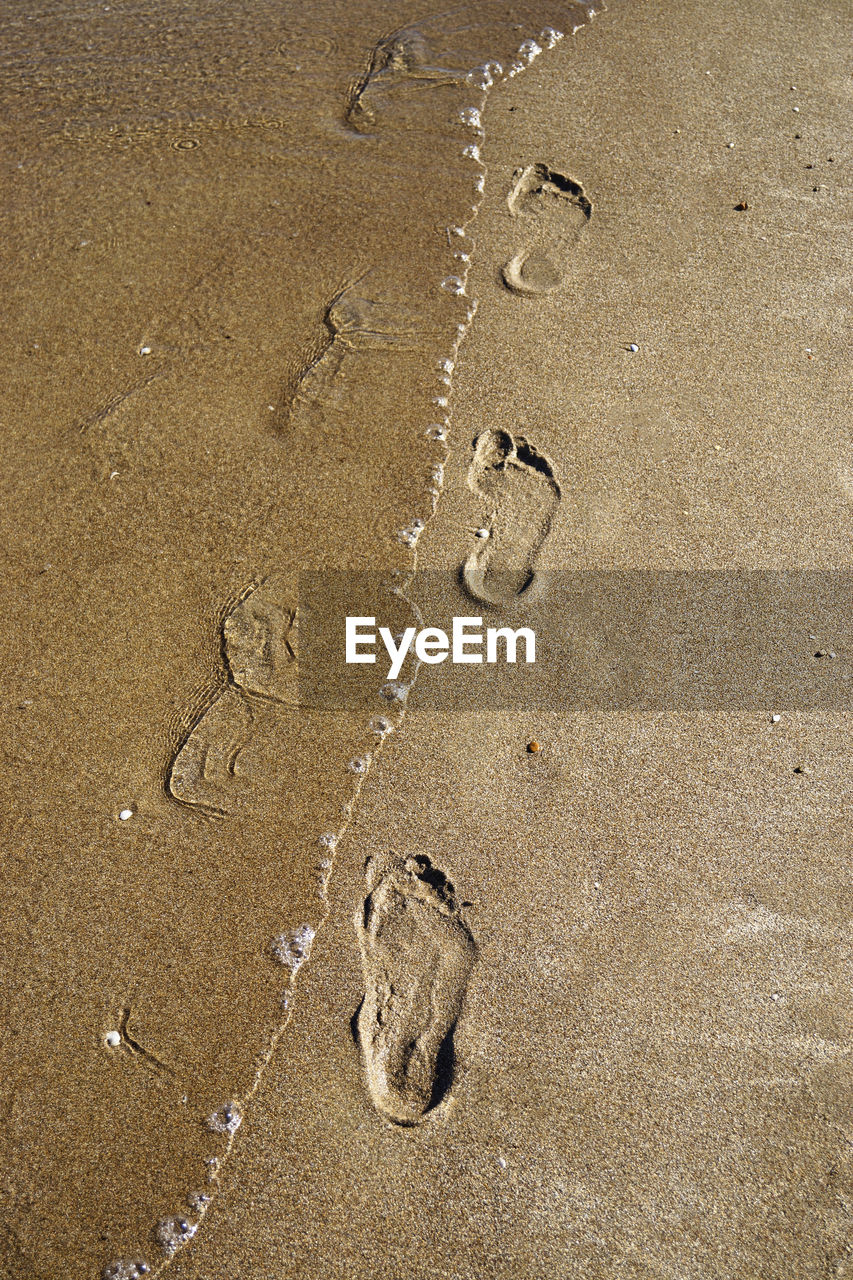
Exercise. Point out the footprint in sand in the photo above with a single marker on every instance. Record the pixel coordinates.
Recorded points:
(405, 61)
(417, 955)
(355, 324)
(519, 484)
(553, 211)
(259, 640)
(204, 772)
(259, 645)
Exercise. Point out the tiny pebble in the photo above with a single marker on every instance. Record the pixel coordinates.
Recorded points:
(731, 146)
(125, 814)
(775, 719)
(632, 346)
(533, 747)
(481, 533)
(145, 351)
(796, 109)
(113, 1039)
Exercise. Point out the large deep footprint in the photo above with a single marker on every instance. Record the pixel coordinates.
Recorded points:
(417, 954)
(520, 486)
(552, 211)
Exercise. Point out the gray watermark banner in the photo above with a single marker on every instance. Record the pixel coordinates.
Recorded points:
(607, 640)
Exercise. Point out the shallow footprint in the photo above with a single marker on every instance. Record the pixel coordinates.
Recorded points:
(407, 59)
(417, 954)
(259, 644)
(354, 324)
(519, 483)
(204, 771)
(259, 638)
(554, 210)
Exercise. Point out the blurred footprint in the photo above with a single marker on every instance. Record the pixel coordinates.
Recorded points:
(554, 210)
(356, 322)
(259, 640)
(520, 486)
(417, 954)
(259, 646)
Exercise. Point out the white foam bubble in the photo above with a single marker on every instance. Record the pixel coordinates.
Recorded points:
(360, 764)
(394, 691)
(171, 1233)
(453, 284)
(446, 365)
(411, 533)
(480, 78)
(293, 949)
(227, 1119)
(550, 36)
(381, 725)
(125, 1269)
(471, 117)
(328, 840)
(480, 183)
(529, 49)
(472, 151)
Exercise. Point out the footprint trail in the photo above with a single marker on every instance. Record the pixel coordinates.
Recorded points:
(417, 950)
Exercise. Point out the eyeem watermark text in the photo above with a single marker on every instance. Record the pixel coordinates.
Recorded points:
(432, 645)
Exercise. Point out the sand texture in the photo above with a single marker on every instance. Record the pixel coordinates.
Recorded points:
(512, 989)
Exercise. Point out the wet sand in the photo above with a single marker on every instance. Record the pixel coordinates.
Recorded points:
(234, 309)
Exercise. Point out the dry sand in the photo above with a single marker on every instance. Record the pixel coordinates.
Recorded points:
(226, 339)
